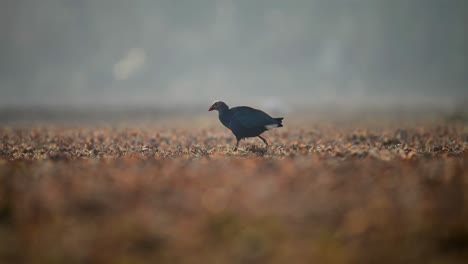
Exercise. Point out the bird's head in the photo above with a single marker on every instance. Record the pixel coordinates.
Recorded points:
(218, 105)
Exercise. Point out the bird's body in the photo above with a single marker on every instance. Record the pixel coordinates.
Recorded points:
(245, 121)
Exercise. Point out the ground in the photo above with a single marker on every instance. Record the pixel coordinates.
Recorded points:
(162, 192)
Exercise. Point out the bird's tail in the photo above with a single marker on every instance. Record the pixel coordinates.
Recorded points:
(280, 121)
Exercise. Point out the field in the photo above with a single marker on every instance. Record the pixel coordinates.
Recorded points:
(372, 191)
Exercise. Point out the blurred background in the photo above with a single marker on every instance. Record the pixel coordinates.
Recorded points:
(171, 190)
(118, 54)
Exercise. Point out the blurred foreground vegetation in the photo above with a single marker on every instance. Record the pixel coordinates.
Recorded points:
(322, 194)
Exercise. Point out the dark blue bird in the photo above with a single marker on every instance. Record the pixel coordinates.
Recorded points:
(245, 121)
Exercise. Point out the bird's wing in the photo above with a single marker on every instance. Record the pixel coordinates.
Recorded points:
(249, 117)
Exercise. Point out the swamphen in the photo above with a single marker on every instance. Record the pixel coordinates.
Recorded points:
(245, 121)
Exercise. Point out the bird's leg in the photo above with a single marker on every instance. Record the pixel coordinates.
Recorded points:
(237, 145)
(264, 140)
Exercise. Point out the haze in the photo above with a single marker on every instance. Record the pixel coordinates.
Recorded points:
(120, 52)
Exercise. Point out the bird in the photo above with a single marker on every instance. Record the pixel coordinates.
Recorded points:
(245, 121)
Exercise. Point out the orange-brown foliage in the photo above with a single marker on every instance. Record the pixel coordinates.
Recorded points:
(331, 194)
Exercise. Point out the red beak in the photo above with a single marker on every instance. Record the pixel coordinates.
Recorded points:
(211, 108)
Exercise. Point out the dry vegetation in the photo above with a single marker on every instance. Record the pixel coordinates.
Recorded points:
(165, 194)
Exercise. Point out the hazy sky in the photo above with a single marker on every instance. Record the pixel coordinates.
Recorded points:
(187, 51)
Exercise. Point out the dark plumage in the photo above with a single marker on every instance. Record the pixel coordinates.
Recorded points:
(245, 121)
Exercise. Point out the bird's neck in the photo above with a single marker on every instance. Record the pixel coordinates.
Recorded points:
(224, 116)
